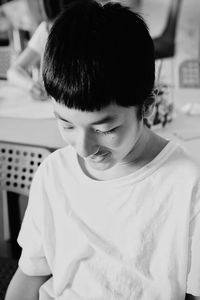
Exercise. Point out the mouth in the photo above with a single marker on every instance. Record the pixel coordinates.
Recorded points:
(99, 157)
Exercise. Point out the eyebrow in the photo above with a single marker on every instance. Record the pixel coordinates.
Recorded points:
(107, 119)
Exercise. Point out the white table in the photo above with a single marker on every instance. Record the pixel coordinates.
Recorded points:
(27, 121)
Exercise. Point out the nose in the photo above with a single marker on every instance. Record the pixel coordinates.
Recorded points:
(86, 144)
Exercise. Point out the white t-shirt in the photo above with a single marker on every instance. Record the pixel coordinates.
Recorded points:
(39, 38)
(131, 238)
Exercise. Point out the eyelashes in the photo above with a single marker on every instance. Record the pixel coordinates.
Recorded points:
(107, 132)
(70, 128)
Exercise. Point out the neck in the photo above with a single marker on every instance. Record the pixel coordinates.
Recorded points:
(139, 151)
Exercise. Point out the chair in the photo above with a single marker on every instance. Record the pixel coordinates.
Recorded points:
(7, 269)
(189, 74)
(18, 164)
(165, 43)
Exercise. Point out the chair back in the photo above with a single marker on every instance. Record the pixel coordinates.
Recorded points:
(172, 19)
(165, 43)
(8, 267)
(18, 164)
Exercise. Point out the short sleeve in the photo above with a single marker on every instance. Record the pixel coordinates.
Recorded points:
(193, 280)
(39, 39)
(33, 260)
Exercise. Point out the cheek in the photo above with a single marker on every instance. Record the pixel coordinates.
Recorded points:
(114, 141)
(126, 138)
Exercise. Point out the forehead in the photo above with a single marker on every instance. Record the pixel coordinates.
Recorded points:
(109, 114)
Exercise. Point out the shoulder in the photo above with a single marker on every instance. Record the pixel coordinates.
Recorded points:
(63, 154)
(177, 170)
(178, 178)
(181, 161)
(187, 172)
(57, 160)
(53, 171)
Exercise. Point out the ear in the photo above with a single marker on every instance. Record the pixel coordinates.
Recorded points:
(149, 105)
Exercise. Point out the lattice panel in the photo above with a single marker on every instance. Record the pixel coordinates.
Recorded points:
(189, 74)
(18, 164)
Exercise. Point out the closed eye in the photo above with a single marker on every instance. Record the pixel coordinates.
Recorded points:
(67, 127)
(106, 132)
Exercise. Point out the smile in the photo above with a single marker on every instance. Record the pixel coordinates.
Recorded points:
(99, 157)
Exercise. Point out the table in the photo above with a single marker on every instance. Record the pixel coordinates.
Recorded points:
(32, 132)
(19, 122)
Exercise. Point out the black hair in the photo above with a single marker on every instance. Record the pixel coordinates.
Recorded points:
(65, 3)
(97, 55)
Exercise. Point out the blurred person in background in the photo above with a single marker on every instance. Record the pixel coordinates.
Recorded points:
(20, 71)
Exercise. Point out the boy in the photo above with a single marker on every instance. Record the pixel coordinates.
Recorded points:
(115, 214)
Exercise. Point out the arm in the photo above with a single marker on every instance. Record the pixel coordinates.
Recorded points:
(24, 287)
(18, 73)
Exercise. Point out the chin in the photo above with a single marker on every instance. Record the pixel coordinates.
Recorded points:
(101, 166)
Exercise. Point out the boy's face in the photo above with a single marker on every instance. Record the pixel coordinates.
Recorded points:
(101, 138)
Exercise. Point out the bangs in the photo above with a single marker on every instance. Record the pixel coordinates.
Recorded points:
(79, 84)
